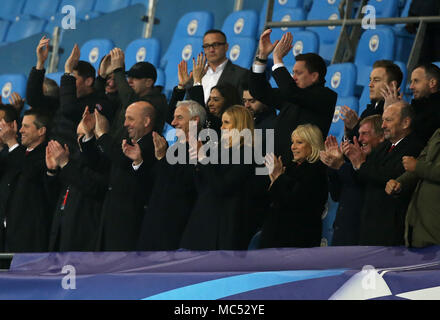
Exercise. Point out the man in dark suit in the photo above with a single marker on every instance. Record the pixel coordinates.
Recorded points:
(384, 73)
(130, 181)
(344, 186)
(383, 217)
(220, 70)
(174, 191)
(301, 99)
(25, 206)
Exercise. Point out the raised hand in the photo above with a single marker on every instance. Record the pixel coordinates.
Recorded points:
(59, 153)
(51, 164)
(105, 68)
(391, 94)
(16, 101)
(42, 52)
(354, 152)
(393, 187)
(132, 152)
(332, 156)
(275, 166)
(182, 74)
(73, 59)
(8, 132)
(117, 59)
(349, 117)
(283, 47)
(101, 124)
(265, 46)
(199, 68)
(88, 123)
(160, 146)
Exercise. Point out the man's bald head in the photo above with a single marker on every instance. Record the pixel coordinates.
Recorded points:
(139, 119)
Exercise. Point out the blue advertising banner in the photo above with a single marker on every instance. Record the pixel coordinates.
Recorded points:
(335, 273)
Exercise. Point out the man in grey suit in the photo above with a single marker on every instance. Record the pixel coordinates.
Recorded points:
(220, 69)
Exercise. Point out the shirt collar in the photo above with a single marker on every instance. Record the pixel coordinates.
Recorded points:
(220, 68)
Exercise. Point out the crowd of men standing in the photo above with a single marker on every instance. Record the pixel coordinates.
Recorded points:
(85, 168)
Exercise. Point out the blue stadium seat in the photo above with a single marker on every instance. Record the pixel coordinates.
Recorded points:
(160, 81)
(242, 23)
(24, 28)
(364, 100)
(41, 9)
(328, 36)
(9, 9)
(374, 45)
(402, 67)
(4, 26)
(88, 15)
(385, 9)
(144, 2)
(143, 50)
(56, 76)
(94, 50)
(81, 6)
(242, 51)
(192, 24)
(404, 39)
(337, 126)
(278, 4)
(287, 14)
(303, 42)
(12, 83)
(341, 78)
(106, 6)
(182, 49)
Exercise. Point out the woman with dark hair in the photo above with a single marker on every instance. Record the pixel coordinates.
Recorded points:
(298, 193)
(220, 216)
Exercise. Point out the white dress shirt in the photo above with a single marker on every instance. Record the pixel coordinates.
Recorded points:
(211, 78)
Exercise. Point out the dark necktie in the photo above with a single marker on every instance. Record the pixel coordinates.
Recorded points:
(391, 148)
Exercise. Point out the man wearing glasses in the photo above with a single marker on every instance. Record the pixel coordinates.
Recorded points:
(220, 70)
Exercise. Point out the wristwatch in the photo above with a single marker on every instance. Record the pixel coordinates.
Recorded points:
(257, 58)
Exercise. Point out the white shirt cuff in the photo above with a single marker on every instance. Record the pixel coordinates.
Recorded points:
(84, 139)
(135, 168)
(15, 146)
(258, 68)
(277, 65)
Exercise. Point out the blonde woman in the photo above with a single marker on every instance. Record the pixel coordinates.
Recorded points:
(298, 193)
(220, 215)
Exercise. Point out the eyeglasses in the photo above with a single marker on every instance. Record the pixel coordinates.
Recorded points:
(214, 45)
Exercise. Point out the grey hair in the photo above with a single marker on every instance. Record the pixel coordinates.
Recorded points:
(194, 109)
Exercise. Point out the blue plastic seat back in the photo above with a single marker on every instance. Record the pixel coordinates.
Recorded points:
(373, 45)
(94, 50)
(242, 51)
(160, 81)
(24, 28)
(341, 78)
(287, 14)
(143, 50)
(107, 6)
(9, 9)
(4, 27)
(242, 23)
(364, 100)
(404, 70)
(337, 126)
(144, 2)
(385, 8)
(192, 24)
(303, 42)
(278, 4)
(169, 133)
(183, 49)
(328, 36)
(81, 6)
(10, 83)
(41, 8)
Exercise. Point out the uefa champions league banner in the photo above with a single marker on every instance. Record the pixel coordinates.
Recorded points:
(271, 274)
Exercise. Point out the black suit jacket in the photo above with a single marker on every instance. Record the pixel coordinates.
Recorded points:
(235, 75)
(314, 104)
(383, 216)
